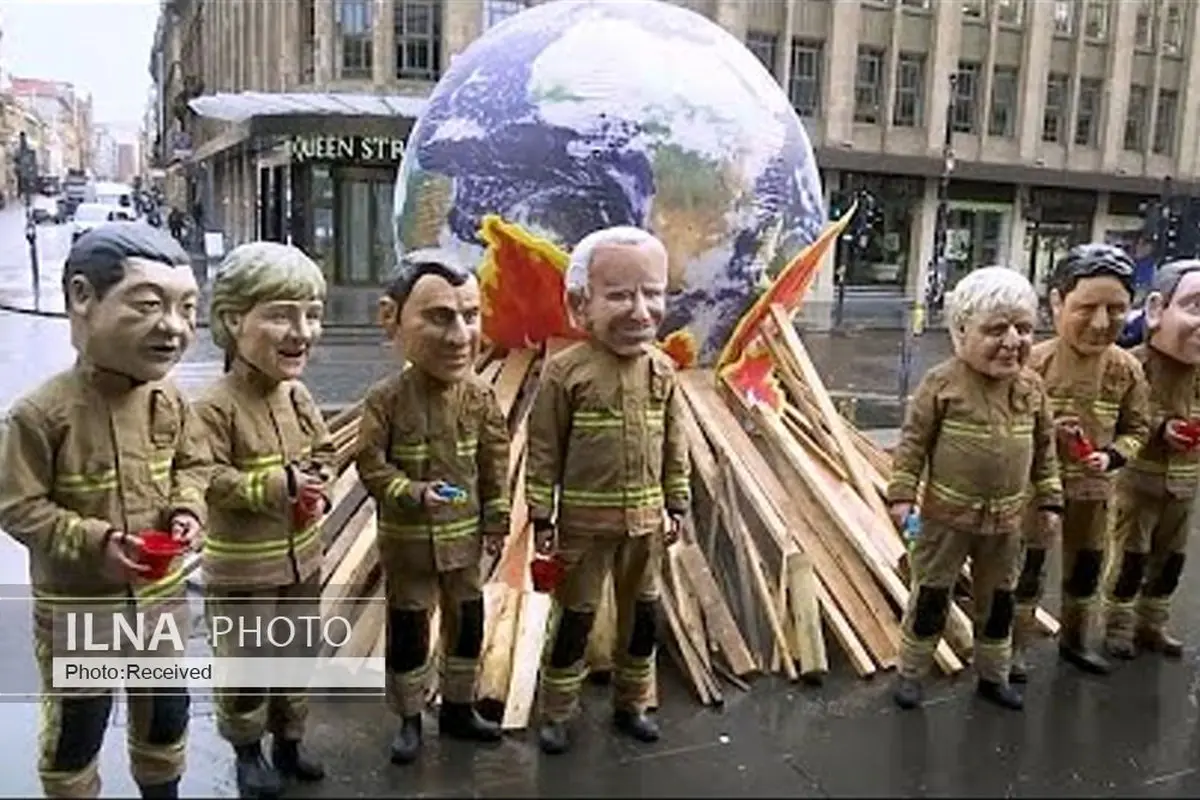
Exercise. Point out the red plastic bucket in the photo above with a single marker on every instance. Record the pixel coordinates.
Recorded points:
(159, 550)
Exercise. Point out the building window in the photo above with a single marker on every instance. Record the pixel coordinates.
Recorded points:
(1164, 122)
(1064, 17)
(966, 98)
(1095, 20)
(496, 11)
(1135, 119)
(1010, 12)
(765, 47)
(974, 9)
(1086, 122)
(308, 41)
(883, 258)
(418, 30)
(354, 24)
(1172, 35)
(1143, 27)
(910, 90)
(804, 82)
(868, 85)
(919, 4)
(974, 238)
(1002, 121)
(1055, 112)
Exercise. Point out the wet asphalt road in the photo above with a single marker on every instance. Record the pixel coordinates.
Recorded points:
(1133, 734)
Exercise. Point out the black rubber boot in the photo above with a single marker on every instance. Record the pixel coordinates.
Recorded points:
(908, 694)
(553, 738)
(290, 762)
(161, 791)
(462, 721)
(255, 776)
(637, 725)
(1018, 670)
(1159, 642)
(406, 745)
(1001, 694)
(1085, 659)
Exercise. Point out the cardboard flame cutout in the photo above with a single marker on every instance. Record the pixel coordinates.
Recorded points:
(745, 363)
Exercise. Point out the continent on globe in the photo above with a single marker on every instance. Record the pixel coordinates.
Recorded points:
(537, 135)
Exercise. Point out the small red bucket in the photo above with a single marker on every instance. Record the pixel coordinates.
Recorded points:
(546, 572)
(159, 549)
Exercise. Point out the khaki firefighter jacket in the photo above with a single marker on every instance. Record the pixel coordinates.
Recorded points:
(605, 433)
(91, 451)
(256, 426)
(414, 432)
(1156, 469)
(988, 446)
(1108, 396)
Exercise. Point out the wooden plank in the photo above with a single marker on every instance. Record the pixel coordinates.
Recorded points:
(353, 529)
(690, 664)
(527, 659)
(687, 606)
(806, 618)
(511, 377)
(365, 632)
(860, 659)
(352, 573)
(503, 604)
(718, 619)
(849, 580)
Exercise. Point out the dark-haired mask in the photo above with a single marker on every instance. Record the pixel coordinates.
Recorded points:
(440, 327)
(1090, 317)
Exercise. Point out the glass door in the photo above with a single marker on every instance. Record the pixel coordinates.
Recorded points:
(364, 226)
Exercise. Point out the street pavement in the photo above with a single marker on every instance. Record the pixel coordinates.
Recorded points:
(1132, 734)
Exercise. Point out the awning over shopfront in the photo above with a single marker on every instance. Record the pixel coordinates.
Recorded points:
(242, 106)
(263, 114)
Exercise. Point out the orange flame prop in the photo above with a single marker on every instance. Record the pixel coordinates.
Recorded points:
(787, 289)
(682, 348)
(522, 279)
(745, 363)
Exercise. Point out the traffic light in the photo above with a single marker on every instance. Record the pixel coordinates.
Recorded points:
(1170, 244)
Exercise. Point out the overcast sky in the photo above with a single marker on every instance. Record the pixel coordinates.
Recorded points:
(101, 46)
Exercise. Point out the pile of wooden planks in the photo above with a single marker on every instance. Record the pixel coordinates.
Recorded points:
(789, 538)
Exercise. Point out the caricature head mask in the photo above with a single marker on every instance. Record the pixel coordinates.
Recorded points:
(131, 297)
(991, 315)
(617, 288)
(267, 307)
(1173, 311)
(433, 307)
(1090, 292)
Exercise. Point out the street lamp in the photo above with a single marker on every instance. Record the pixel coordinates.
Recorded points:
(935, 275)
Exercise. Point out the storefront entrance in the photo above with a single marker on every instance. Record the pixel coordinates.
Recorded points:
(363, 225)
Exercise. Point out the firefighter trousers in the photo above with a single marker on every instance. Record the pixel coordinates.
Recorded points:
(1084, 537)
(410, 663)
(245, 715)
(938, 556)
(635, 563)
(72, 726)
(1147, 552)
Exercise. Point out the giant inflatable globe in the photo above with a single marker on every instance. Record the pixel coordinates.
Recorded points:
(576, 115)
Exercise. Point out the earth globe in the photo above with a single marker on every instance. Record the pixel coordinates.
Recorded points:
(576, 115)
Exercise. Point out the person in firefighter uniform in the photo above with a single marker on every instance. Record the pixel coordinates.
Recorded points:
(1100, 406)
(95, 456)
(979, 429)
(605, 435)
(272, 458)
(432, 450)
(1156, 489)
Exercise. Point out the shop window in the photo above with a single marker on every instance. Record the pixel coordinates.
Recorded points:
(966, 97)
(1003, 118)
(868, 85)
(417, 26)
(321, 238)
(355, 23)
(804, 81)
(974, 238)
(910, 90)
(880, 258)
(765, 47)
(1164, 122)
(1054, 114)
(1136, 113)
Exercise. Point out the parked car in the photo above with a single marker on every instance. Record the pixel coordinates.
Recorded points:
(92, 215)
(45, 210)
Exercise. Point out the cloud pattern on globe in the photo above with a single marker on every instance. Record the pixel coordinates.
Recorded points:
(577, 115)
